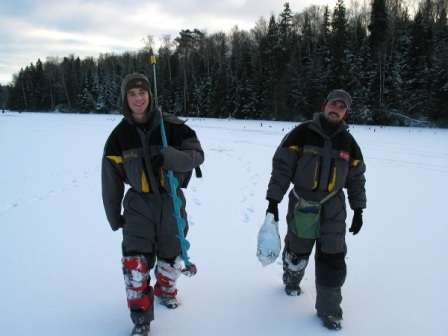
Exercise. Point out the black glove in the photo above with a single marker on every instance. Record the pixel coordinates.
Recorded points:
(273, 208)
(156, 164)
(356, 222)
(120, 224)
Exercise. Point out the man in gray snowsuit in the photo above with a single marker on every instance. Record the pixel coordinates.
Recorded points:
(134, 155)
(320, 157)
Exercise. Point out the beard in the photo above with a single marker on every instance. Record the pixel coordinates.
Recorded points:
(333, 117)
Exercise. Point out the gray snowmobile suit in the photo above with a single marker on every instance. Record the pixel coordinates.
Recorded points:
(148, 222)
(317, 163)
(133, 155)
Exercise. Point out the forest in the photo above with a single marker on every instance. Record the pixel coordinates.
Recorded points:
(391, 58)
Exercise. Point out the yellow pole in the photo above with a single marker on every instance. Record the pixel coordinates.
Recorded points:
(153, 61)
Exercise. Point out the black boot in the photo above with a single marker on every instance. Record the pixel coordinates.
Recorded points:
(330, 322)
(291, 280)
(293, 272)
(140, 330)
(328, 306)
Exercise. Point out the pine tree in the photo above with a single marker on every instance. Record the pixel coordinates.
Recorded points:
(40, 94)
(53, 76)
(440, 65)
(269, 72)
(189, 43)
(340, 76)
(87, 99)
(419, 62)
(3, 97)
(360, 65)
(281, 69)
(323, 52)
(378, 38)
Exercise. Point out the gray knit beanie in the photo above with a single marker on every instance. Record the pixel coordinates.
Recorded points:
(132, 81)
(340, 95)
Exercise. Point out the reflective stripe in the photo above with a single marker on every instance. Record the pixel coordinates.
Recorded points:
(311, 151)
(354, 163)
(332, 183)
(294, 148)
(316, 175)
(144, 182)
(115, 159)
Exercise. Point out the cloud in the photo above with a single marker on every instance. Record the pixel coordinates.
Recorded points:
(36, 29)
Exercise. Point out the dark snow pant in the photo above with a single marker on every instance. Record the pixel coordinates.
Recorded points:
(330, 270)
(150, 226)
(330, 253)
(150, 230)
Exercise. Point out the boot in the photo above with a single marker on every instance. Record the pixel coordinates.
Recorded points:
(165, 287)
(291, 280)
(293, 272)
(168, 301)
(328, 306)
(138, 291)
(140, 330)
(330, 322)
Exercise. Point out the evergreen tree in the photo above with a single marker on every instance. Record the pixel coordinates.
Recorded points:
(281, 69)
(440, 65)
(53, 83)
(269, 72)
(323, 53)
(87, 99)
(189, 43)
(378, 38)
(419, 62)
(219, 77)
(340, 76)
(3, 97)
(40, 92)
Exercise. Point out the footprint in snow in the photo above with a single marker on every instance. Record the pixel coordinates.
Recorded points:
(247, 215)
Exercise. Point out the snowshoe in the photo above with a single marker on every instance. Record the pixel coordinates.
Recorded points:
(330, 322)
(140, 330)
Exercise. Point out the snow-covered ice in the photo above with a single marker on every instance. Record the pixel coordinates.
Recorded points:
(61, 271)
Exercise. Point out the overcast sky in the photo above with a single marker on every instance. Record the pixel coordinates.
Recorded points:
(36, 29)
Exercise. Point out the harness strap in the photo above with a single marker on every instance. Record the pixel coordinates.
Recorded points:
(325, 199)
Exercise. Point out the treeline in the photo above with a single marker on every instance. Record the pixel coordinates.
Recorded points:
(394, 63)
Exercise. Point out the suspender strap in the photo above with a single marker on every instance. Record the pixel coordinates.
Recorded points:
(325, 199)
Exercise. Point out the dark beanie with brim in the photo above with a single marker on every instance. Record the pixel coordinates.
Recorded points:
(133, 81)
(340, 95)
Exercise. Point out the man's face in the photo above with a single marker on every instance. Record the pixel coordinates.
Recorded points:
(138, 101)
(335, 111)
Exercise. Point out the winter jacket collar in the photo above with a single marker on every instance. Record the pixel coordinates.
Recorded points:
(316, 125)
(151, 124)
